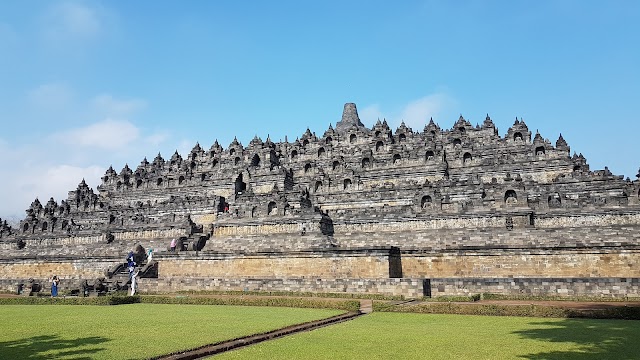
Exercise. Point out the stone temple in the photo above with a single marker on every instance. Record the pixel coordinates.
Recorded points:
(359, 210)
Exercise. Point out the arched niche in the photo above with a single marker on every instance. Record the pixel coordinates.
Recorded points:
(321, 152)
(305, 142)
(366, 162)
(272, 208)
(353, 138)
(466, 158)
(25, 227)
(402, 138)
(236, 161)
(379, 146)
(232, 151)
(335, 165)
(318, 186)
(346, 184)
(307, 167)
(181, 180)
(540, 151)
(255, 160)
(294, 154)
(328, 140)
(426, 201)
(429, 155)
(239, 185)
(517, 136)
(457, 142)
(510, 197)
(159, 182)
(554, 200)
(138, 183)
(396, 158)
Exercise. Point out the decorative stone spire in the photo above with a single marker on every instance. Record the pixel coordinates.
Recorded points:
(561, 143)
(349, 118)
(488, 122)
(125, 170)
(158, 161)
(538, 138)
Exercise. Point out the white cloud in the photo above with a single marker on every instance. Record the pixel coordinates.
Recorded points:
(35, 175)
(369, 115)
(51, 96)
(46, 166)
(72, 21)
(417, 113)
(111, 106)
(108, 134)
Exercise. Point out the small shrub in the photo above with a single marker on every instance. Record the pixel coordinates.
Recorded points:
(454, 298)
(525, 297)
(348, 305)
(618, 312)
(296, 294)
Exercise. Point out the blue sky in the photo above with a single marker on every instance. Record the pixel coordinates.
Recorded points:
(87, 84)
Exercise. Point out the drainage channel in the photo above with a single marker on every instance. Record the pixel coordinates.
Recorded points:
(217, 348)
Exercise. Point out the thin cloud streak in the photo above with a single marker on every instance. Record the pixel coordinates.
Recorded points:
(415, 114)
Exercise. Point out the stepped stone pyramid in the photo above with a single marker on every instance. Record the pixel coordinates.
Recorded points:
(370, 210)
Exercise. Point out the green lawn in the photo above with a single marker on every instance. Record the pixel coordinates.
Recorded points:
(135, 331)
(422, 336)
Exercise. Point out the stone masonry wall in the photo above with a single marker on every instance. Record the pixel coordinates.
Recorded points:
(370, 264)
(549, 263)
(596, 287)
(409, 288)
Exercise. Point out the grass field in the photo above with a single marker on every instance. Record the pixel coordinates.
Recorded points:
(421, 336)
(135, 331)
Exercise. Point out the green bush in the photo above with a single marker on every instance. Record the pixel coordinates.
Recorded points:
(100, 300)
(618, 312)
(525, 297)
(296, 294)
(348, 305)
(454, 298)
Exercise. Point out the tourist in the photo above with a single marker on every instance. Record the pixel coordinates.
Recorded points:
(131, 264)
(54, 285)
(173, 244)
(134, 283)
(85, 288)
(149, 255)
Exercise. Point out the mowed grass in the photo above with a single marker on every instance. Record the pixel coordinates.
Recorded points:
(135, 331)
(422, 336)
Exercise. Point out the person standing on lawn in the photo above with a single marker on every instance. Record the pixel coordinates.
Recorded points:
(55, 281)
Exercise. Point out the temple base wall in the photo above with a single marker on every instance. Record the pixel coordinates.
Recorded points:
(560, 287)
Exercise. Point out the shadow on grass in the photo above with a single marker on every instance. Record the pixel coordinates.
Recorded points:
(594, 339)
(51, 347)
